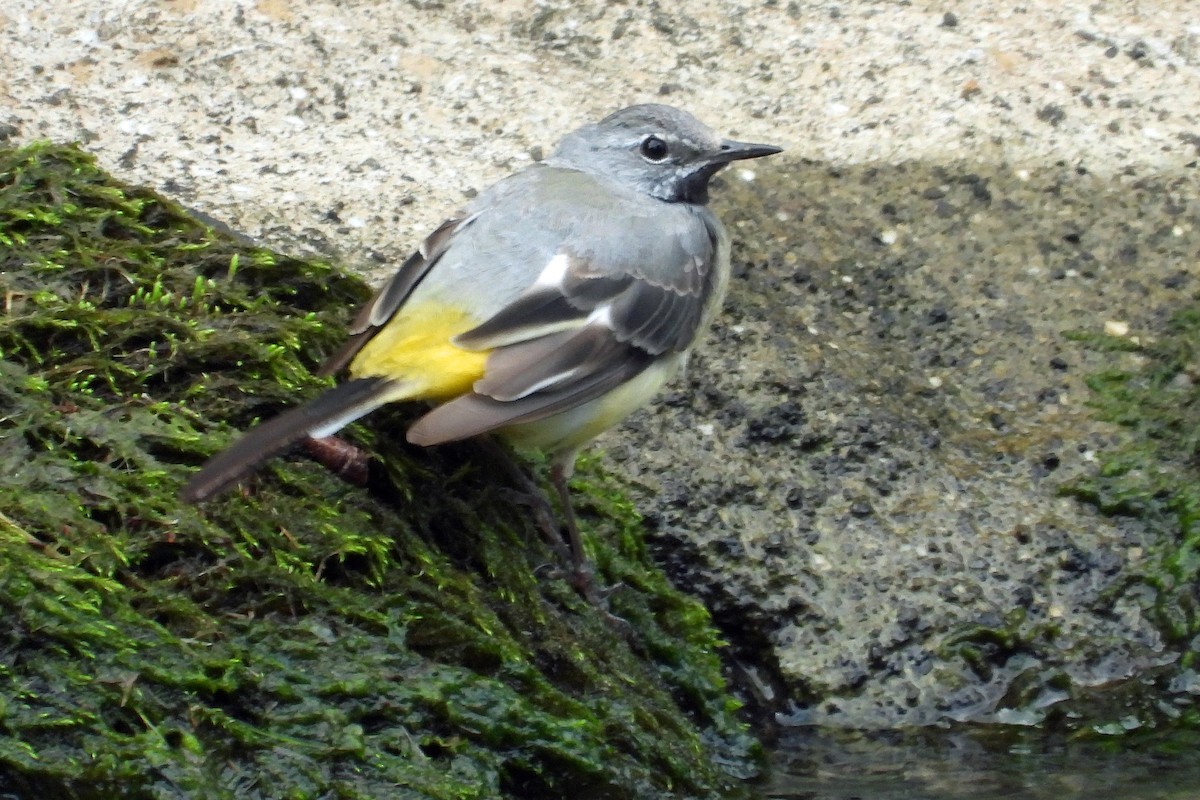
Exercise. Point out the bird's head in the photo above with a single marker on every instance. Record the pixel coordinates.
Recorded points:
(656, 149)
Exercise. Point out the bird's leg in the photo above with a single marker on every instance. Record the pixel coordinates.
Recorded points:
(547, 524)
(352, 464)
(583, 578)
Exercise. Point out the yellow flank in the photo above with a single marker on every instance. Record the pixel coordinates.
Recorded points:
(414, 347)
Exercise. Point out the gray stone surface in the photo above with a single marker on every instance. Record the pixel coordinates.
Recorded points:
(862, 462)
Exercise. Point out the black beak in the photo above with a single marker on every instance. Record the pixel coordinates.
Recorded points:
(738, 151)
(694, 187)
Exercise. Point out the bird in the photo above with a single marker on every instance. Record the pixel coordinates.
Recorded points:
(554, 304)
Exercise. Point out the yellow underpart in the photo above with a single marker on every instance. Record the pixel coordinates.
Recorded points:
(415, 347)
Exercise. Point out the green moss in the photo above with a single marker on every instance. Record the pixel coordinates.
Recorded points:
(1152, 390)
(1155, 476)
(301, 638)
(983, 646)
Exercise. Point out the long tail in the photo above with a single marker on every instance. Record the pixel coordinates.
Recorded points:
(322, 416)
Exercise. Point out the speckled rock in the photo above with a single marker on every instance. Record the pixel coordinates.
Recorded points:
(860, 470)
(886, 490)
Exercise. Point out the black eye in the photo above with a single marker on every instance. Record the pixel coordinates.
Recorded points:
(654, 149)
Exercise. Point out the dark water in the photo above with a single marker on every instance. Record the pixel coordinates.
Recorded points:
(982, 764)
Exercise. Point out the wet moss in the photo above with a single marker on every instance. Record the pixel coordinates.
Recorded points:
(302, 637)
(1154, 476)
(1152, 390)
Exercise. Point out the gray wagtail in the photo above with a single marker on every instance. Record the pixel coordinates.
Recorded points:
(556, 303)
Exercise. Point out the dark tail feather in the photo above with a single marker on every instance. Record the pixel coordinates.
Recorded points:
(332, 410)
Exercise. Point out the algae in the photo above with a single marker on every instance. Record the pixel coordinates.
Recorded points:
(1152, 390)
(302, 637)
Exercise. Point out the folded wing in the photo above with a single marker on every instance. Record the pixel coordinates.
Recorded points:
(583, 329)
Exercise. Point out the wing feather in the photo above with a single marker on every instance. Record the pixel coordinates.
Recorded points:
(546, 363)
(477, 413)
(568, 341)
(533, 314)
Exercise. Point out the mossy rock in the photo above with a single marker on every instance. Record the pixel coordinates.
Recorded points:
(301, 637)
(1153, 476)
